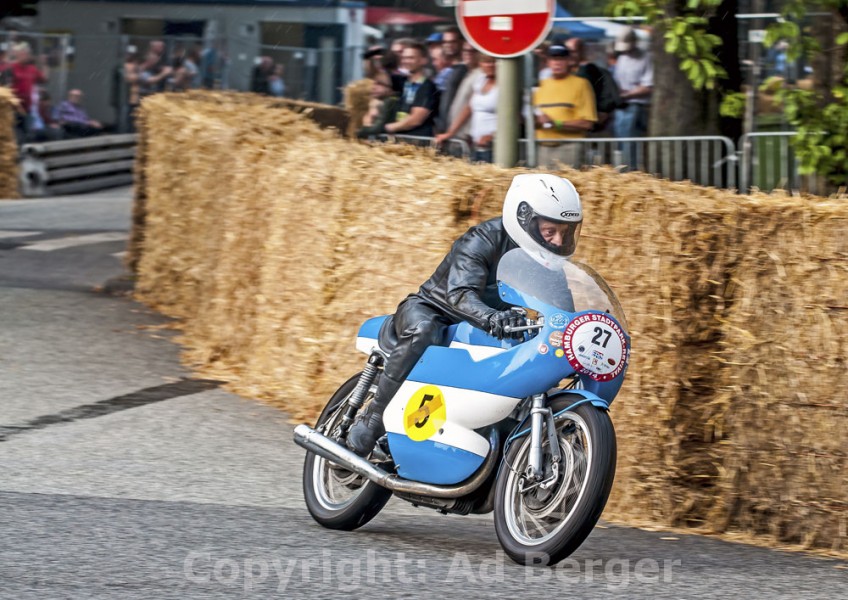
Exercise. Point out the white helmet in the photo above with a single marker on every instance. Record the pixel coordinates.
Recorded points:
(540, 196)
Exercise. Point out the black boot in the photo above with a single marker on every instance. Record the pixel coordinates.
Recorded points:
(366, 429)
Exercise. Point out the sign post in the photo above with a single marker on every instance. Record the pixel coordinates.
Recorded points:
(506, 29)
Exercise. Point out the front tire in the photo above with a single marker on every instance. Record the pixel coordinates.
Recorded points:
(335, 497)
(539, 526)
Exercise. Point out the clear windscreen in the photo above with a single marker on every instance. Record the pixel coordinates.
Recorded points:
(573, 287)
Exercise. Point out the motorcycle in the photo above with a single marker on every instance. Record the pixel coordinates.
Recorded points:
(520, 427)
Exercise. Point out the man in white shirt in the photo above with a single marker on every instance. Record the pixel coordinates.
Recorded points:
(634, 74)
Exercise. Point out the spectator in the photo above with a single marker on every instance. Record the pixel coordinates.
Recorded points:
(381, 109)
(452, 43)
(43, 127)
(276, 83)
(191, 78)
(153, 72)
(25, 76)
(481, 110)
(261, 72)
(607, 96)
(210, 66)
(540, 54)
(470, 58)
(564, 106)
(439, 68)
(391, 65)
(131, 74)
(398, 46)
(634, 73)
(372, 61)
(434, 45)
(73, 118)
(419, 99)
(177, 82)
(449, 49)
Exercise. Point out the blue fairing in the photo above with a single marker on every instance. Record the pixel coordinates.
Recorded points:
(432, 462)
(454, 367)
(371, 328)
(497, 374)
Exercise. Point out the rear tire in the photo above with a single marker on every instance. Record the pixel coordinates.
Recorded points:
(542, 527)
(335, 497)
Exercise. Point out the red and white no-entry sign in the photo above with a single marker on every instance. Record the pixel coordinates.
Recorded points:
(505, 28)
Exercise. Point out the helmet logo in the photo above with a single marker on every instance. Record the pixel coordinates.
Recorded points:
(569, 215)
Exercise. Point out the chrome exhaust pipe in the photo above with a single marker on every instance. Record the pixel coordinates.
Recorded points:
(324, 447)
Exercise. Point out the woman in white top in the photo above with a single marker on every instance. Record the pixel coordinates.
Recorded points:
(482, 110)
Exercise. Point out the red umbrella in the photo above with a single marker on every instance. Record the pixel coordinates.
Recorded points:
(393, 16)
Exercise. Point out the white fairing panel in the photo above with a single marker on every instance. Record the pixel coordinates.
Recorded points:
(464, 410)
(366, 345)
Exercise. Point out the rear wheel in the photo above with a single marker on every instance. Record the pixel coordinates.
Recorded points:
(338, 498)
(543, 525)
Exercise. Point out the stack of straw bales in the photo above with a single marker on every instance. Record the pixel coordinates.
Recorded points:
(8, 145)
(274, 240)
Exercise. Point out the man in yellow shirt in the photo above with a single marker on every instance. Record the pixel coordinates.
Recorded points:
(564, 106)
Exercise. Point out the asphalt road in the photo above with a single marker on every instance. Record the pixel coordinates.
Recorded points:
(122, 477)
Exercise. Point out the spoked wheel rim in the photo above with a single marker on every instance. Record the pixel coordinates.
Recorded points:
(535, 515)
(335, 487)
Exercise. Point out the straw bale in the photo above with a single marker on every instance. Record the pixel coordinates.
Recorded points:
(357, 95)
(784, 398)
(274, 240)
(8, 145)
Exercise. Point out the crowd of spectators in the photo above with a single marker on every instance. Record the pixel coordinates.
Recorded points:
(155, 70)
(139, 75)
(444, 89)
(36, 118)
(440, 89)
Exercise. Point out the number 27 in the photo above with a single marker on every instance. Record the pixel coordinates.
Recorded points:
(599, 332)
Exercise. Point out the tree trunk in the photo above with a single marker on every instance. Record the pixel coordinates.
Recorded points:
(676, 108)
(829, 64)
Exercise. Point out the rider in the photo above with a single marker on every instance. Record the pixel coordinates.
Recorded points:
(541, 214)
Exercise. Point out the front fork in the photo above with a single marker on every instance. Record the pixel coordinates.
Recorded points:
(360, 392)
(541, 426)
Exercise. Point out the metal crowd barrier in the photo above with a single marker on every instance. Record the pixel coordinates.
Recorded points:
(769, 162)
(705, 160)
(72, 166)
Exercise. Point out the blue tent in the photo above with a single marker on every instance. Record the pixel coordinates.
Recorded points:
(576, 28)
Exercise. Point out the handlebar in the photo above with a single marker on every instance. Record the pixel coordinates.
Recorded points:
(510, 329)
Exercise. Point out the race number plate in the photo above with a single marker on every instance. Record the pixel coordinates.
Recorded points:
(595, 345)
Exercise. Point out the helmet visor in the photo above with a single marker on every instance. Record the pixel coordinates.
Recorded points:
(554, 235)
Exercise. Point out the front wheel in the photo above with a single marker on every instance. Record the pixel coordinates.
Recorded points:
(539, 525)
(337, 498)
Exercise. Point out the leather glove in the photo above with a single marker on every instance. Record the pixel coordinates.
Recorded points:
(499, 320)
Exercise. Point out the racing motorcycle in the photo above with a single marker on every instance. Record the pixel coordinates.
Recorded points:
(520, 427)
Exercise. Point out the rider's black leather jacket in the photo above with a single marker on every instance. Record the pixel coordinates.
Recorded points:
(464, 285)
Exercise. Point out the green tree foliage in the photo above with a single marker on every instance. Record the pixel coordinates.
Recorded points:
(820, 115)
